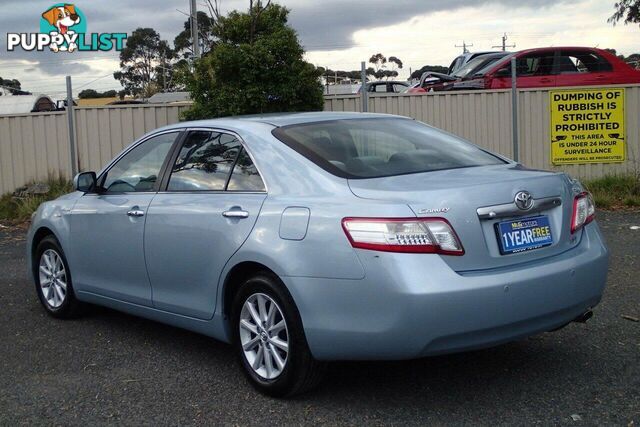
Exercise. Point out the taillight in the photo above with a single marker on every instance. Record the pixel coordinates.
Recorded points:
(584, 210)
(408, 235)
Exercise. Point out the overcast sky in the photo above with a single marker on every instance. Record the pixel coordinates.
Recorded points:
(336, 33)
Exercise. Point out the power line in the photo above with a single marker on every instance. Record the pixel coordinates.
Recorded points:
(95, 80)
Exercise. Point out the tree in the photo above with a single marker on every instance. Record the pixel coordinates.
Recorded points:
(435, 68)
(627, 11)
(183, 44)
(88, 93)
(91, 93)
(256, 66)
(342, 75)
(378, 60)
(381, 69)
(144, 63)
(11, 85)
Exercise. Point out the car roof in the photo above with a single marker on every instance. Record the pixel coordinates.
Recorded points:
(388, 81)
(282, 119)
(553, 48)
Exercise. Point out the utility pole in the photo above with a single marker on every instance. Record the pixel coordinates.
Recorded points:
(504, 43)
(465, 46)
(194, 30)
(363, 89)
(326, 79)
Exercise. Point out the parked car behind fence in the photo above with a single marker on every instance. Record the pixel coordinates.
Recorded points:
(552, 67)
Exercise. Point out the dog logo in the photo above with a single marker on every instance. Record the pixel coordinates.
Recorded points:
(62, 18)
(63, 28)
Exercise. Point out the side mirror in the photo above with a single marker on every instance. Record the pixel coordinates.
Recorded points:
(85, 182)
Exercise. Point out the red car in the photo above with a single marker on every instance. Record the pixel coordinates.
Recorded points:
(551, 67)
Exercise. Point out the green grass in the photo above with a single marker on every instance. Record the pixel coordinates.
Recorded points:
(16, 210)
(615, 192)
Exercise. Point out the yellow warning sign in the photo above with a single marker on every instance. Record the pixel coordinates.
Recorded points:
(587, 126)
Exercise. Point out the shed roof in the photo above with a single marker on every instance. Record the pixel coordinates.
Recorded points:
(22, 104)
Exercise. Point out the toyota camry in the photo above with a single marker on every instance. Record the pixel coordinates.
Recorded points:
(313, 237)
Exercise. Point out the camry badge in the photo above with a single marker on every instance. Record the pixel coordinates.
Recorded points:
(433, 211)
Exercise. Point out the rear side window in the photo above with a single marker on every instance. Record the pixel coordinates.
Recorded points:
(371, 148)
(245, 176)
(570, 62)
(398, 88)
(204, 162)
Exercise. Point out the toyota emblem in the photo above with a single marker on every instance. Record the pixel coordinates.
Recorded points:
(523, 200)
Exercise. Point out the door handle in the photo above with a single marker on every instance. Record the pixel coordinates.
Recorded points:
(235, 213)
(135, 213)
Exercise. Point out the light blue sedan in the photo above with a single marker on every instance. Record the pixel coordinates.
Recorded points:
(306, 238)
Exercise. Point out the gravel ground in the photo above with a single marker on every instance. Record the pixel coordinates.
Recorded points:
(111, 368)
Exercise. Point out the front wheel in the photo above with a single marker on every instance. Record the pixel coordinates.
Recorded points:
(53, 280)
(270, 340)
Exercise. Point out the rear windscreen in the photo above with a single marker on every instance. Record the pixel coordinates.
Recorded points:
(372, 148)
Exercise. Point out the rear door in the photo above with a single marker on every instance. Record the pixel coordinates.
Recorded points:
(583, 68)
(212, 195)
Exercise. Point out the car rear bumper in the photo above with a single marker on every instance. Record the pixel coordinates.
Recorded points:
(414, 305)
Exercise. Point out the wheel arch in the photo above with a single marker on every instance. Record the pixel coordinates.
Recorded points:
(236, 275)
(38, 236)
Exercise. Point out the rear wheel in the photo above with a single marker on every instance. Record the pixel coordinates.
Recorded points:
(270, 341)
(53, 280)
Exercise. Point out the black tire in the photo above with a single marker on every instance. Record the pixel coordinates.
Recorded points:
(301, 372)
(70, 307)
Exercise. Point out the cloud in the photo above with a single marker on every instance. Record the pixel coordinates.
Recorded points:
(334, 32)
(330, 24)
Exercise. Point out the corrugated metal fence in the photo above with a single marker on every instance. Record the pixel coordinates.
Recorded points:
(35, 146)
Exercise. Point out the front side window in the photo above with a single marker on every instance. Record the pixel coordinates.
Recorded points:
(213, 161)
(532, 65)
(138, 170)
(535, 65)
(371, 148)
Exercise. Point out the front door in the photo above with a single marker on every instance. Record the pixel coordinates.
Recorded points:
(532, 70)
(210, 205)
(108, 251)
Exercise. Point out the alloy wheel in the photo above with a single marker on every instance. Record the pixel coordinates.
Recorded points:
(264, 336)
(53, 278)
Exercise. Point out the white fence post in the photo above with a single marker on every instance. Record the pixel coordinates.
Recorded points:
(72, 130)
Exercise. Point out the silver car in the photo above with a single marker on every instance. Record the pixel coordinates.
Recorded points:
(307, 238)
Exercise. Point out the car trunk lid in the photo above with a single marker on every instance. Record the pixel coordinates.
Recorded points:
(474, 200)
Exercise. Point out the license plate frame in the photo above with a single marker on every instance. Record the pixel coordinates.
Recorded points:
(514, 238)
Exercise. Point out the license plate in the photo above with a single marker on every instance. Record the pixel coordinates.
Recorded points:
(524, 234)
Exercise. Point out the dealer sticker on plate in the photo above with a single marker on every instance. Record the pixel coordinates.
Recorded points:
(524, 234)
